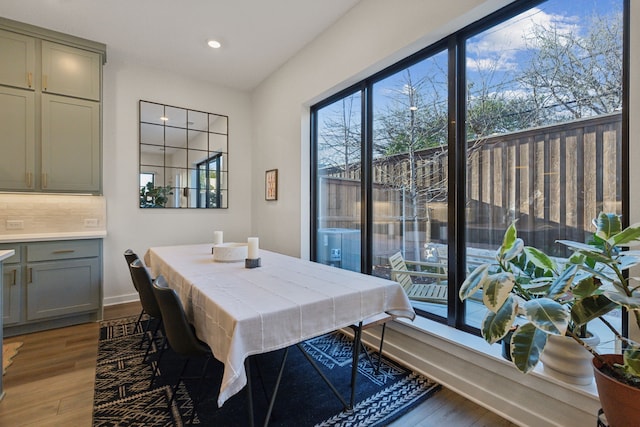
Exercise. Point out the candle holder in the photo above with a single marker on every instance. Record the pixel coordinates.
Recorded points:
(251, 262)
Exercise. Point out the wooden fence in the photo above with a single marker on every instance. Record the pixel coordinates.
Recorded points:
(554, 180)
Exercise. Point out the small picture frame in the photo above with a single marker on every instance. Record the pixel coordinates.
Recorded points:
(271, 185)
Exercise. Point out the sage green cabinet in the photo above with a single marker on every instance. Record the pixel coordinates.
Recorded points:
(17, 121)
(11, 287)
(52, 284)
(70, 71)
(70, 144)
(50, 114)
(19, 71)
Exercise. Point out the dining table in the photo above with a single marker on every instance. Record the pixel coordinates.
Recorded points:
(240, 311)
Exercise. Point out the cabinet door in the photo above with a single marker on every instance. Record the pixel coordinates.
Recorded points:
(70, 144)
(59, 288)
(17, 67)
(17, 125)
(70, 71)
(11, 279)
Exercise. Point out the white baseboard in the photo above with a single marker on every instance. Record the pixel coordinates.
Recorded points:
(120, 299)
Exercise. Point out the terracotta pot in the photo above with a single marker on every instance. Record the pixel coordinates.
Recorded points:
(620, 402)
(564, 359)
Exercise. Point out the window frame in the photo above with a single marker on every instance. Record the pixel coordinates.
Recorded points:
(457, 166)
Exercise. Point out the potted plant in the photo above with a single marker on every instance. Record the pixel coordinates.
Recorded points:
(547, 297)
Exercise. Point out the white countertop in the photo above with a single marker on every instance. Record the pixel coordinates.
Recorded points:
(6, 254)
(38, 237)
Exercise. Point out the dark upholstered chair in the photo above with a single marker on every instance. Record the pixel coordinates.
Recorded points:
(130, 256)
(180, 335)
(144, 284)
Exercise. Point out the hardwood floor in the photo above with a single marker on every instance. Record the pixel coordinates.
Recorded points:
(51, 380)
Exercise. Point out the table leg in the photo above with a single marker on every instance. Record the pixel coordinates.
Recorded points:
(324, 377)
(247, 369)
(357, 340)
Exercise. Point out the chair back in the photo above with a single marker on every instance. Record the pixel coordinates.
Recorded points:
(144, 285)
(178, 330)
(398, 266)
(131, 256)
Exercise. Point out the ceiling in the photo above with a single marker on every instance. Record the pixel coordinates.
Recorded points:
(257, 36)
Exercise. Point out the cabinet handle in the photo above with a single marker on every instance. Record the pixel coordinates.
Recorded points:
(44, 81)
(64, 251)
(44, 180)
(15, 277)
(29, 274)
(29, 79)
(28, 177)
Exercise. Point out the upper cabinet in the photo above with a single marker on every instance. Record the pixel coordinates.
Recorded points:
(69, 71)
(50, 110)
(19, 71)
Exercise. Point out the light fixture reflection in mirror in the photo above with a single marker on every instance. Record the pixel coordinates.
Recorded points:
(184, 157)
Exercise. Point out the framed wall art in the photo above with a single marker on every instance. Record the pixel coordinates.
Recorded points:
(271, 185)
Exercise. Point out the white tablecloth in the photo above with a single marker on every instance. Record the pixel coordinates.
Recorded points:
(239, 312)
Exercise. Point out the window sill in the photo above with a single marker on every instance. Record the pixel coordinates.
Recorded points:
(471, 367)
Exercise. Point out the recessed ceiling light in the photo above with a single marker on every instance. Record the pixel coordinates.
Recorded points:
(214, 44)
(164, 118)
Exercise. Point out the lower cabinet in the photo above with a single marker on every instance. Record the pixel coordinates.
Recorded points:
(52, 284)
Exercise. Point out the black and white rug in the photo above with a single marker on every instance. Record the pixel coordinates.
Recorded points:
(123, 396)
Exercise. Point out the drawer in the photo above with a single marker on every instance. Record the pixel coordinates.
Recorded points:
(46, 251)
(15, 258)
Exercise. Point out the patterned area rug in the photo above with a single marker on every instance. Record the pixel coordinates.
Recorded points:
(123, 396)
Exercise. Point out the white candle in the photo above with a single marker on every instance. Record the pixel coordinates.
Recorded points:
(253, 252)
(217, 237)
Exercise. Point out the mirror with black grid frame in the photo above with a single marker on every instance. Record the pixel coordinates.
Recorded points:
(184, 157)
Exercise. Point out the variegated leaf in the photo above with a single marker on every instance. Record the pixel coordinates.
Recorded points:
(608, 225)
(496, 289)
(473, 282)
(563, 282)
(547, 315)
(496, 325)
(540, 259)
(626, 236)
(527, 342)
(515, 250)
(631, 356)
(586, 309)
(585, 287)
(631, 303)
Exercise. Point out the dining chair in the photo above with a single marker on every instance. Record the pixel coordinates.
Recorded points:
(180, 336)
(130, 256)
(434, 292)
(144, 284)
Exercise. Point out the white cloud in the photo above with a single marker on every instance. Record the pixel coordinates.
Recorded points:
(497, 48)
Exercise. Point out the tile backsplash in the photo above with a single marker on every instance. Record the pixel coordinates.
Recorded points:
(51, 213)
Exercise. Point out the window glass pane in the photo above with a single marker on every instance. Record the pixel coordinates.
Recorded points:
(410, 177)
(339, 139)
(544, 101)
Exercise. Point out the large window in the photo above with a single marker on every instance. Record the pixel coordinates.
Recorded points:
(518, 117)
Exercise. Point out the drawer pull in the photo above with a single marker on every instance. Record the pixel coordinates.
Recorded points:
(64, 251)
(29, 79)
(15, 277)
(29, 274)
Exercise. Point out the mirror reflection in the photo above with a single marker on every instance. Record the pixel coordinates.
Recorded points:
(183, 157)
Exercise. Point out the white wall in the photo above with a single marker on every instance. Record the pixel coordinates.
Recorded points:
(128, 226)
